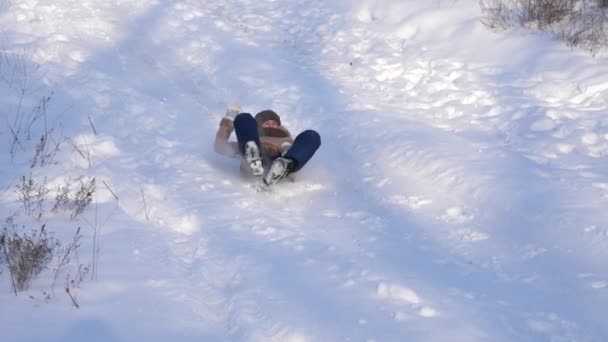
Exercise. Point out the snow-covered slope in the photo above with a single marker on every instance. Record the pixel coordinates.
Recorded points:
(459, 194)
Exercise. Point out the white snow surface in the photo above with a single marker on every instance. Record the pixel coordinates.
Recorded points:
(460, 192)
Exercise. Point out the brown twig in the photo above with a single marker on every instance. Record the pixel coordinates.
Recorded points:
(67, 290)
(145, 206)
(107, 187)
(92, 126)
(8, 261)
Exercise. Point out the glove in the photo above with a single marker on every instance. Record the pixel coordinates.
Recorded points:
(284, 148)
(232, 110)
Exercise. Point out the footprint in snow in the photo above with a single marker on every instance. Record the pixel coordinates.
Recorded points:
(603, 188)
(469, 235)
(401, 295)
(456, 215)
(597, 231)
(595, 284)
(543, 125)
(412, 202)
(331, 214)
(77, 56)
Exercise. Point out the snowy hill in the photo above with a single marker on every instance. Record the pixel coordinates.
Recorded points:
(460, 192)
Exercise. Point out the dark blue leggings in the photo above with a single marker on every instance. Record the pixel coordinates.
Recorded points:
(303, 148)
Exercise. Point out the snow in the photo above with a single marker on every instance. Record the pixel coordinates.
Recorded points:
(459, 194)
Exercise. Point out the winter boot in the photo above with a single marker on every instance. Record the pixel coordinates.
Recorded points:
(278, 170)
(254, 158)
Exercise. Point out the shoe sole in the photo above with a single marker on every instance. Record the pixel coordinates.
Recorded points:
(253, 158)
(275, 174)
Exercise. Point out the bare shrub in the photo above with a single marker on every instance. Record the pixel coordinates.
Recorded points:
(32, 195)
(27, 254)
(544, 13)
(68, 263)
(72, 282)
(46, 150)
(579, 23)
(16, 74)
(26, 111)
(74, 201)
(77, 201)
(62, 197)
(496, 14)
(585, 27)
(3, 260)
(84, 196)
(502, 14)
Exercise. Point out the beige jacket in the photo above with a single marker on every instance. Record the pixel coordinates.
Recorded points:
(275, 141)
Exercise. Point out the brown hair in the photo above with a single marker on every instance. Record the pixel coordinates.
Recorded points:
(266, 115)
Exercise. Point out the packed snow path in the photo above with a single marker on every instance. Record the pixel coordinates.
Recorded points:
(458, 194)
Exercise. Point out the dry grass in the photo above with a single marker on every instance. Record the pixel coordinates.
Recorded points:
(579, 23)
